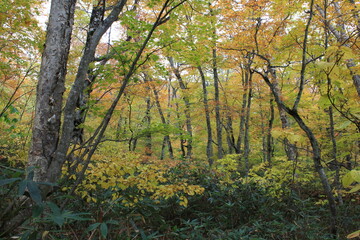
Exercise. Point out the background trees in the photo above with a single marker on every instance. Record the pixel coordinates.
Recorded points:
(170, 103)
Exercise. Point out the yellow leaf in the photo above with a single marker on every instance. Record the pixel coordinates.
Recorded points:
(354, 234)
(355, 188)
(351, 177)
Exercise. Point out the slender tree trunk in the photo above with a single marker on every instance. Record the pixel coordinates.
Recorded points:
(341, 37)
(318, 167)
(148, 137)
(187, 108)
(209, 148)
(263, 136)
(228, 126)
(83, 105)
(269, 149)
(166, 140)
(242, 112)
(290, 149)
(169, 105)
(335, 162)
(316, 152)
(247, 125)
(217, 106)
(230, 133)
(121, 127)
(179, 123)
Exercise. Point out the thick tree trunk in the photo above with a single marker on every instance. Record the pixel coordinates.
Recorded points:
(209, 148)
(50, 89)
(98, 27)
(48, 106)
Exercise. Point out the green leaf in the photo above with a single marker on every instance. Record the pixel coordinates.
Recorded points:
(37, 210)
(92, 227)
(34, 191)
(58, 219)
(8, 181)
(343, 125)
(355, 175)
(103, 230)
(112, 222)
(355, 188)
(351, 177)
(54, 208)
(22, 187)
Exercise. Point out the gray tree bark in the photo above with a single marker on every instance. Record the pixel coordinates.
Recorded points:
(166, 140)
(316, 151)
(209, 148)
(98, 27)
(290, 149)
(147, 119)
(247, 123)
(217, 106)
(185, 97)
(269, 145)
(50, 89)
(48, 106)
(341, 36)
(242, 112)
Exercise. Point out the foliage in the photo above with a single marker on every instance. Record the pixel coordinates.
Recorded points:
(283, 177)
(131, 178)
(127, 195)
(352, 180)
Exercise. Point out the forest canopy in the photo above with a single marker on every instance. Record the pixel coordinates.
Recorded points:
(179, 119)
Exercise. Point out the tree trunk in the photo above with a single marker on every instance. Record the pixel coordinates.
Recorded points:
(242, 113)
(316, 152)
(341, 37)
(335, 162)
(97, 28)
(209, 148)
(147, 118)
(217, 106)
(48, 106)
(166, 140)
(290, 149)
(185, 97)
(230, 133)
(269, 149)
(246, 125)
(319, 168)
(50, 89)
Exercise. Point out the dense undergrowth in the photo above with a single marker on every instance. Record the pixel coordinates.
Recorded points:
(137, 197)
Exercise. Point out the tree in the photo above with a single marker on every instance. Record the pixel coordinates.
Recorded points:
(209, 148)
(50, 91)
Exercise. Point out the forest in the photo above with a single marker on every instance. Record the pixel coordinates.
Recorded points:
(179, 119)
